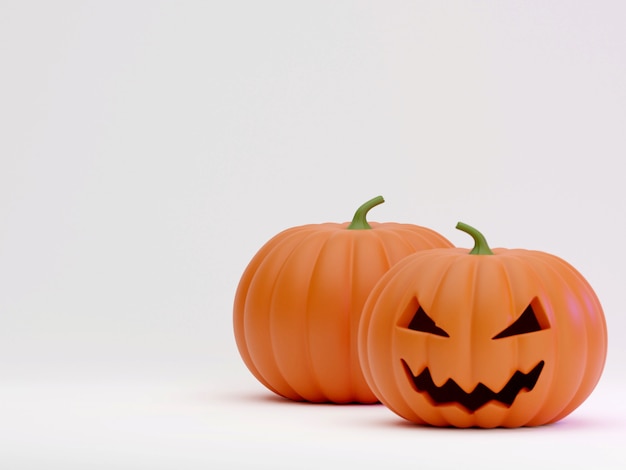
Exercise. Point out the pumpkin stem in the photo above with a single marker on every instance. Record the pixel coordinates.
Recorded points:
(480, 244)
(359, 221)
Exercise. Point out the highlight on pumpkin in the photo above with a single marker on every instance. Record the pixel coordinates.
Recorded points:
(359, 221)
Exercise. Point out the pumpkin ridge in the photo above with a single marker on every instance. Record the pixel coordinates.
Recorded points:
(596, 322)
(521, 256)
(428, 236)
(243, 289)
(516, 354)
(271, 309)
(382, 393)
(405, 238)
(307, 319)
(353, 358)
(437, 289)
(382, 247)
(582, 378)
(472, 278)
(369, 248)
(397, 270)
(366, 318)
(362, 348)
(381, 234)
(261, 369)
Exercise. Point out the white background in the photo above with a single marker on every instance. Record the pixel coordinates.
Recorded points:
(149, 148)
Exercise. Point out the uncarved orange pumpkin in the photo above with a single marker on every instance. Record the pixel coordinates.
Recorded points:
(299, 301)
(486, 338)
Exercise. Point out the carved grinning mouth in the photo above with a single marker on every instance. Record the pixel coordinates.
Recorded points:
(451, 392)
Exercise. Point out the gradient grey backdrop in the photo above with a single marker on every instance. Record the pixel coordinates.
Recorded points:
(149, 148)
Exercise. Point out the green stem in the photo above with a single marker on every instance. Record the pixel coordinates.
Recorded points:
(359, 221)
(480, 244)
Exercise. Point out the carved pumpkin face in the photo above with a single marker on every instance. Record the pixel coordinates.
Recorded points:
(486, 338)
(298, 304)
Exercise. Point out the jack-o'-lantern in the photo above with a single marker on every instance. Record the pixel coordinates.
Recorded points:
(299, 301)
(486, 338)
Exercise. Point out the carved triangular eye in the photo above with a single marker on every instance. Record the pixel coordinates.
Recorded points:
(526, 323)
(422, 322)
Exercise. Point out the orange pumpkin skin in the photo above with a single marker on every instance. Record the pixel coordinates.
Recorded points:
(478, 301)
(299, 301)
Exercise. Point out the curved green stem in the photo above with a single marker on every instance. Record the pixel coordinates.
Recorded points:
(359, 221)
(480, 244)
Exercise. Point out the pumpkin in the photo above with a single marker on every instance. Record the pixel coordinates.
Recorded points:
(485, 338)
(298, 303)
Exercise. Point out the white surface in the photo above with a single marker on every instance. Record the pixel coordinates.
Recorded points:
(194, 425)
(148, 149)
